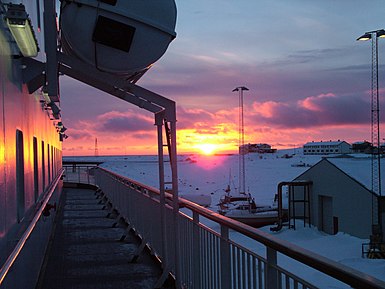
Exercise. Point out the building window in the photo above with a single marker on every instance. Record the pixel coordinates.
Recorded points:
(20, 191)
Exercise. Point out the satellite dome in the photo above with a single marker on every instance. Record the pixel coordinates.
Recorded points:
(118, 36)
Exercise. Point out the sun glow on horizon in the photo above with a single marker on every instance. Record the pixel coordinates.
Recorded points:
(207, 148)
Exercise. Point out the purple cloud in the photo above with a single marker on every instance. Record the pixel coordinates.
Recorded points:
(313, 111)
(117, 122)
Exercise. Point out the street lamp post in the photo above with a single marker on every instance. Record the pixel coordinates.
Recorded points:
(241, 141)
(375, 130)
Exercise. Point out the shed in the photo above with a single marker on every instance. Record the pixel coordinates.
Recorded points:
(341, 198)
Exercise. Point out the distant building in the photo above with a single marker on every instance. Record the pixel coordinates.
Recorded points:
(340, 198)
(327, 147)
(362, 147)
(258, 148)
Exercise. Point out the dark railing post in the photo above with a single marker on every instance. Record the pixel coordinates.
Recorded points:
(271, 279)
(196, 251)
(225, 262)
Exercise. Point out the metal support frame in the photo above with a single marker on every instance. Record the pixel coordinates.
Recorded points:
(164, 111)
(50, 39)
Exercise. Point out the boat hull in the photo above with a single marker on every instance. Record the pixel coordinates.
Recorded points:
(256, 220)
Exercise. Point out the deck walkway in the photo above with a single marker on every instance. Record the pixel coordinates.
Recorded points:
(87, 251)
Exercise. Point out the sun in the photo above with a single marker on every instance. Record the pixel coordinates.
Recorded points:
(207, 148)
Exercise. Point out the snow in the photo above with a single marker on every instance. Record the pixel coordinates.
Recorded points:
(359, 168)
(209, 175)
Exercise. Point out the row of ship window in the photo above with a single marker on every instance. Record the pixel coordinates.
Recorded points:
(46, 164)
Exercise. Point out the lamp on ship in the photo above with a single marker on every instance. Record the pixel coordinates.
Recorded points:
(55, 109)
(21, 29)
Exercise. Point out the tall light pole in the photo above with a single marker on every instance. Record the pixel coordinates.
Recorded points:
(375, 127)
(241, 141)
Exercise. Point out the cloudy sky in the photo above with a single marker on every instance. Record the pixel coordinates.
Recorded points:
(309, 79)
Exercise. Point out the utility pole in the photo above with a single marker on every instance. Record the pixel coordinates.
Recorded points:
(241, 141)
(375, 133)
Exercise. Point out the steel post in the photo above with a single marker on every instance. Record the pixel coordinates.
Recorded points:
(159, 125)
(196, 252)
(225, 259)
(174, 173)
(271, 277)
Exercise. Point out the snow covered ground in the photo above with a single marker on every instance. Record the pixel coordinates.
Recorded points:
(210, 175)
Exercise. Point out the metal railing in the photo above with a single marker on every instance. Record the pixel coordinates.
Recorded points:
(27, 233)
(373, 250)
(75, 173)
(211, 259)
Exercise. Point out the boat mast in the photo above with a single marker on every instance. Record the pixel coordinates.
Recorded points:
(241, 141)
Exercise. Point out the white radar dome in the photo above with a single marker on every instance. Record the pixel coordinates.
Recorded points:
(117, 36)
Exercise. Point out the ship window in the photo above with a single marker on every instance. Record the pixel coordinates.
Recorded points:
(42, 165)
(38, 15)
(111, 2)
(49, 164)
(113, 33)
(20, 191)
(35, 170)
(52, 162)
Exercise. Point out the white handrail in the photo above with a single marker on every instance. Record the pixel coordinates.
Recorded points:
(20, 244)
(329, 267)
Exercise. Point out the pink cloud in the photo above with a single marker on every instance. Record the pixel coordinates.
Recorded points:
(314, 103)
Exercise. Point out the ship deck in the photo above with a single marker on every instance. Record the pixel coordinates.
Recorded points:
(90, 249)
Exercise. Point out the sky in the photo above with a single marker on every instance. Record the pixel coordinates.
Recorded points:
(308, 80)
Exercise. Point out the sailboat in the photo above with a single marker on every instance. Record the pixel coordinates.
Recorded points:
(242, 206)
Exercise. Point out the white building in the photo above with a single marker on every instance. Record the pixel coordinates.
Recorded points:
(327, 147)
(340, 198)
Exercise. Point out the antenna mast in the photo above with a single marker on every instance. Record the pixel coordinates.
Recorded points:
(96, 147)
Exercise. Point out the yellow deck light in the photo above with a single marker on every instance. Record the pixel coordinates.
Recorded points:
(20, 26)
